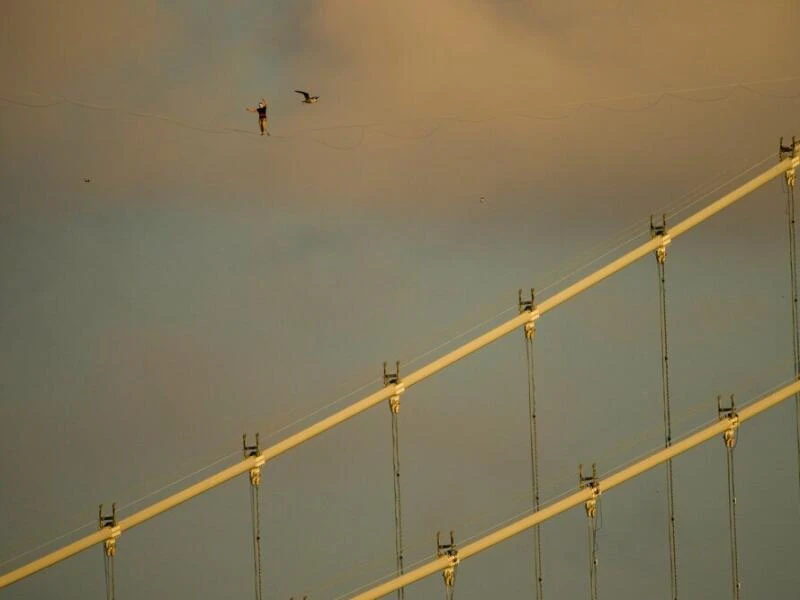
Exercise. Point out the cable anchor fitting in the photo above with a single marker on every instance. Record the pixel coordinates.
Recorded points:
(529, 307)
(109, 521)
(590, 481)
(249, 452)
(399, 388)
(728, 412)
(451, 551)
(792, 151)
(660, 231)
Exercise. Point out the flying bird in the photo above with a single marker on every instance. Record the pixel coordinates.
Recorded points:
(308, 98)
(86, 180)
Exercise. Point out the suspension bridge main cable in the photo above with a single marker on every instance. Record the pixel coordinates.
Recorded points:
(413, 378)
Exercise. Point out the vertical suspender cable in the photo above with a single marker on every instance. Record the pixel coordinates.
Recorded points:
(109, 547)
(398, 513)
(591, 482)
(534, 462)
(732, 524)
(790, 211)
(592, 524)
(729, 437)
(661, 260)
(108, 563)
(255, 514)
(530, 332)
(394, 408)
(449, 573)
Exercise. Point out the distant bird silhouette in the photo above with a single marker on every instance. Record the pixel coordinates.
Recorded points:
(86, 180)
(308, 98)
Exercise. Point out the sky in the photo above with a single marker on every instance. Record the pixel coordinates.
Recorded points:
(209, 282)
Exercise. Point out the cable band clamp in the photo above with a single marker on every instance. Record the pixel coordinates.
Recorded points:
(660, 231)
(590, 481)
(729, 412)
(451, 552)
(529, 307)
(250, 452)
(399, 388)
(792, 151)
(110, 522)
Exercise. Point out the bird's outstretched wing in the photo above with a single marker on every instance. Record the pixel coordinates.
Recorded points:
(302, 92)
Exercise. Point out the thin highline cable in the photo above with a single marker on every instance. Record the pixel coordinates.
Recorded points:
(686, 91)
(675, 93)
(654, 103)
(177, 122)
(598, 104)
(769, 94)
(360, 141)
